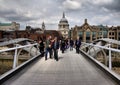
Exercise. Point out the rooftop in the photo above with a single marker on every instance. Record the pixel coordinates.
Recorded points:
(5, 24)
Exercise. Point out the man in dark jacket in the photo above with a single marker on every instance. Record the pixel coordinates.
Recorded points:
(71, 44)
(77, 44)
(62, 45)
(55, 48)
(41, 47)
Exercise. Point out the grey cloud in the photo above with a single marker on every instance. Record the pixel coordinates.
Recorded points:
(73, 5)
(12, 15)
(6, 12)
(37, 11)
(115, 6)
(19, 18)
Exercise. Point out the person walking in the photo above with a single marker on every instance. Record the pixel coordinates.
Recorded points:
(66, 44)
(71, 44)
(41, 47)
(51, 49)
(62, 45)
(55, 48)
(47, 48)
(78, 44)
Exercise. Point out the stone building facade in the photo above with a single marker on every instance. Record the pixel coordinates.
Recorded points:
(103, 31)
(118, 33)
(63, 26)
(86, 32)
(9, 26)
(114, 33)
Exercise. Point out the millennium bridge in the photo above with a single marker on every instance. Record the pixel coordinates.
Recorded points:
(71, 69)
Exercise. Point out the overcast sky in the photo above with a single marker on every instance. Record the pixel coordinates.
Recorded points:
(34, 12)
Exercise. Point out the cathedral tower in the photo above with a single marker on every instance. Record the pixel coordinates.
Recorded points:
(63, 26)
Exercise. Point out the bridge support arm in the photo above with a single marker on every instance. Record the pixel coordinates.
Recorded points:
(110, 60)
(15, 58)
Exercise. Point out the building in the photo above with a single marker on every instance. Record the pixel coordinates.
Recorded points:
(63, 26)
(112, 33)
(43, 27)
(118, 33)
(86, 32)
(1, 34)
(36, 29)
(30, 33)
(103, 31)
(9, 26)
(53, 33)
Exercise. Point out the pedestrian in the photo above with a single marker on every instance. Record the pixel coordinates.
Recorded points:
(67, 43)
(55, 48)
(71, 44)
(62, 47)
(77, 44)
(41, 47)
(47, 48)
(51, 49)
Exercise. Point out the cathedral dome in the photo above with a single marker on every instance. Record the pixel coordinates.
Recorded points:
(63, 20)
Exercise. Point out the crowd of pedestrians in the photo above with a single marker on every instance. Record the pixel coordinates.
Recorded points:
(51, 46)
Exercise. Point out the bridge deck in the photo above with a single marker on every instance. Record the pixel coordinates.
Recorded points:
(71, 69)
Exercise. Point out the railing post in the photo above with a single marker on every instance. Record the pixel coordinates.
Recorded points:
(15, 58)
(110, 61)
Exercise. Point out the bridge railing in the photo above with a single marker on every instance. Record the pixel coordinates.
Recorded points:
(108, 47)
(15, 58)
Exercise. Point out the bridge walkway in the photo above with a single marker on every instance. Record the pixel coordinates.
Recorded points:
(71, 69)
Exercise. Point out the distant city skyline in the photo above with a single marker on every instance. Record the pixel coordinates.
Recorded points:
(34, 12)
